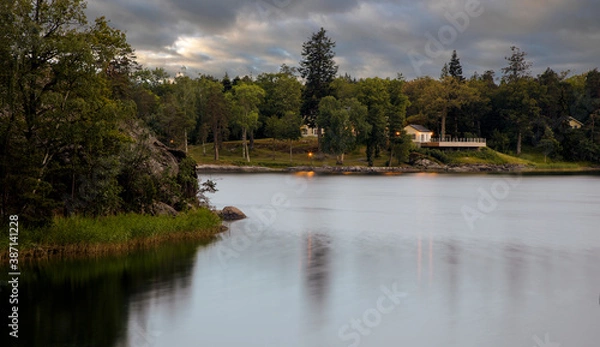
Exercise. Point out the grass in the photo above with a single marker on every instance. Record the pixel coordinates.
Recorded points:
(80, 235)
(275, 154)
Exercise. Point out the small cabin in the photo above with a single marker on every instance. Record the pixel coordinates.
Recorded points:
(418, 133)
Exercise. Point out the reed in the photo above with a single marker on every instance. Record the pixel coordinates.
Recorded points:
(79, 235)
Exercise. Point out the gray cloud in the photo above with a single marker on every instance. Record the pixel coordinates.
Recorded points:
(374, 37)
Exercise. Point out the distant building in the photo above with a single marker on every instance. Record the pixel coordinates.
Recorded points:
(423, 137)
(307, 131)
(574, 123)
(418, 133)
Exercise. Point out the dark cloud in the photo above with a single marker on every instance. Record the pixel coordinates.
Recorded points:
(374, 37)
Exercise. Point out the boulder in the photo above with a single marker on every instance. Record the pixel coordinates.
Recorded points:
(427, 164)
(230, 213)
(162, 209)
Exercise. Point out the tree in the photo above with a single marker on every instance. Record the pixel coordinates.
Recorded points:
(440, 97)
(283, 94)
(335, 119)
(186, 95)
(396, 118)
(214, 110)
(454, 67)
(285, 128)
(373, 93)
(226, 82)
(318, 69)
(445, 71)
(548, 143)
(520, 93)
(517, 68)
(245, 99)
(64, 82)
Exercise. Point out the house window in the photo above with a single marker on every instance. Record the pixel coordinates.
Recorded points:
(413, 136)
(422, 137)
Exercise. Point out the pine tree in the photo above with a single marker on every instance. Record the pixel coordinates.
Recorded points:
(454, 68)
(445, 72)
(517, 67)
(318, 69)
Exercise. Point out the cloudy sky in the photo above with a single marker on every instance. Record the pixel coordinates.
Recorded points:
(374, 37)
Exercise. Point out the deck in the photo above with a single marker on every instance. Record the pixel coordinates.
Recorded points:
(455, 143)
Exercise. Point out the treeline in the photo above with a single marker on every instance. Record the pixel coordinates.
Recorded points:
(512, 111)
(516, 111)
(78, 115)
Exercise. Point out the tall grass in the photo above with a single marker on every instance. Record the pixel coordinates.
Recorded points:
(120, 233)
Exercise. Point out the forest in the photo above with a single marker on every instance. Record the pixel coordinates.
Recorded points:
(77, 112)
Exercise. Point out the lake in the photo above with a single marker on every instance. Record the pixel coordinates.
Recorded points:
(348, 260)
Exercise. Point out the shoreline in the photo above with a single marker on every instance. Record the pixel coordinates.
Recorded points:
(435, 168)
(90, 251)
(81, 237)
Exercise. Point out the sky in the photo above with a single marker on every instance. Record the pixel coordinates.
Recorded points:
(373, 37)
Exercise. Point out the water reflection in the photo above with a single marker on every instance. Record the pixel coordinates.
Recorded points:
(316, 273)
(102, 302)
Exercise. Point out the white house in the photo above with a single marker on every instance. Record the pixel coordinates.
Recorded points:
(418, 133)
(307, 131)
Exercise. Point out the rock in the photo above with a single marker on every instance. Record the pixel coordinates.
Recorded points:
(162, 209)
(427, 164)
(230, 213)
(459, 169)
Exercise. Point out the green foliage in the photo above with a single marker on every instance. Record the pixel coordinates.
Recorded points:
(437, 154)
(335, 119)
(499, 141)
(318, 68)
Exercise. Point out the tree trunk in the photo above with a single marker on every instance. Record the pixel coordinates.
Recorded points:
(186, 141)
(519, 143)
(216, 142)
(443, 133)
(290, 150)
(245, 151)
(244, 143)
(319, 140)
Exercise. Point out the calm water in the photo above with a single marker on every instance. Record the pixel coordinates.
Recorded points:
(409, 260)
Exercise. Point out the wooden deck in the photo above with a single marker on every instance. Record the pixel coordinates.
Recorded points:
(455, 143)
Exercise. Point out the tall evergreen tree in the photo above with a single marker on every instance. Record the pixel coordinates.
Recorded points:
(318, 69)
(517, 67)
(520, 105)
(454, 68)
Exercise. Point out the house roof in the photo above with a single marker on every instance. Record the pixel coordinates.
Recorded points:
(573, 119)
(420, 128)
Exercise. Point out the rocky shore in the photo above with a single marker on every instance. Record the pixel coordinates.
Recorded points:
(420, 166)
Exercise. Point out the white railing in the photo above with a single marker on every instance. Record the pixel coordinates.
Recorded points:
(449, 139)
